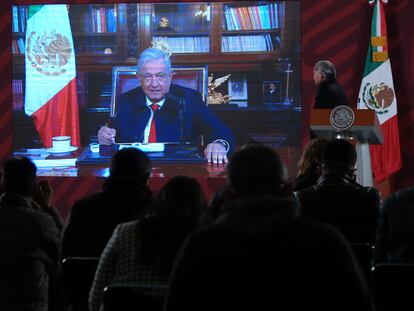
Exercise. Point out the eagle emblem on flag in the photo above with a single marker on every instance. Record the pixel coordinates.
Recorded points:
(378, 97)
(48, 53)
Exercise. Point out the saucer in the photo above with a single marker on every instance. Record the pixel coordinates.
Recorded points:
(70, 149)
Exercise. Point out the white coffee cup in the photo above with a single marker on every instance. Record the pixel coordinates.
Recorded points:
(61, 143)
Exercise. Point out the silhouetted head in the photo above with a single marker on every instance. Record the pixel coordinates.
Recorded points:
(18, 176)
(256, 170)
(323, 70)
(180, 208)
(252, 143)
(311, 156)
(339, 155)
(131, 163)
(183, 200)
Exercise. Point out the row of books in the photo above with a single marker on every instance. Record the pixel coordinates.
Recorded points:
(87, 19)
(18, 46)
(103, 20)
(19, 18)
(258, 17)
(253, 43)
(17, 91)
(188, 44)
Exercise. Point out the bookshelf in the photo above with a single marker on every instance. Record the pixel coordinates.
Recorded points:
(19, 17)
(254, 41)
(99, 29)
(252, 27)
(185, 25)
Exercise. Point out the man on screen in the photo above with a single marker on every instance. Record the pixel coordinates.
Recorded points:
(151, 112)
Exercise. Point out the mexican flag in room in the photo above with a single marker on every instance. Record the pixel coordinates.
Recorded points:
(51, 97)
(377, 92)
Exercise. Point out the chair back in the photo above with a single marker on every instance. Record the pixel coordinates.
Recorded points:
(127, 297)
(392, 286)
(78, 274)
(124, 79)
(364, 252)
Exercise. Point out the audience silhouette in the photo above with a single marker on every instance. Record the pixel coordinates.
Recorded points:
(396, 238)
(258, 170)
(265, 249)
(125, 197)
(144, 251)
(309, 165)
(29, 238)
(260, 254)
(340, 201)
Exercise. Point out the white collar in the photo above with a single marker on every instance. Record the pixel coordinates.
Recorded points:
(160, 103)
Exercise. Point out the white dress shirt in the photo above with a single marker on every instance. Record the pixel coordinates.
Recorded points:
(147, 128)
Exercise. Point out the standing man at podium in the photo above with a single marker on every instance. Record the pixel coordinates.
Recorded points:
(156, 111)
(329, 94)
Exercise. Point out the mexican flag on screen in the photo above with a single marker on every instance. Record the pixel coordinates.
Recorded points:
(51, 98)
(377, 92)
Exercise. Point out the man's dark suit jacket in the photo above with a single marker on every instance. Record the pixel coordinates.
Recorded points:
(346, 205)
(133, 115)
(330, 95)
(261, 256)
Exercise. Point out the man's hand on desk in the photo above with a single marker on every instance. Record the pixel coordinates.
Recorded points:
(106, 135)
(215, 153)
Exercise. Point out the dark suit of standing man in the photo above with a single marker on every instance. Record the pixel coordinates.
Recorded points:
(134, 115)
(329, 94)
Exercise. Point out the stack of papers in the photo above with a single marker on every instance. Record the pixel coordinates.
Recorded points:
(42, 158)
(150, 147)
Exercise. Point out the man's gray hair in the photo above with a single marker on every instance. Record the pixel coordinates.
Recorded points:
(151, 54)
(326, 68)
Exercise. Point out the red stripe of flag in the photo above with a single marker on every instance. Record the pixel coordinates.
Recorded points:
(59, 116)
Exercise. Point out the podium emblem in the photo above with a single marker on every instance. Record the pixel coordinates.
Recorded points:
(342, 118)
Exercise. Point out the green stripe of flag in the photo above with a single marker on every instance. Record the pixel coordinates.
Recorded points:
(33, 9)
(374, 26)
(370, 66)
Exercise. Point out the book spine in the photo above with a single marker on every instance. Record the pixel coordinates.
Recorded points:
(276, 11)
(17, 89)
(98, 21)
(102, 16)
(21, 44)
(15, 23)
(110, 20)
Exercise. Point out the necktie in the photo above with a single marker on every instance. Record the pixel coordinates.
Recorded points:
(152, 137)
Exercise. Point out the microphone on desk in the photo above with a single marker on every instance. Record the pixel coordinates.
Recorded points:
(183, 148)
(181, 104)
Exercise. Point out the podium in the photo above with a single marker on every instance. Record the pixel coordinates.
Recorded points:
(365, 130)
